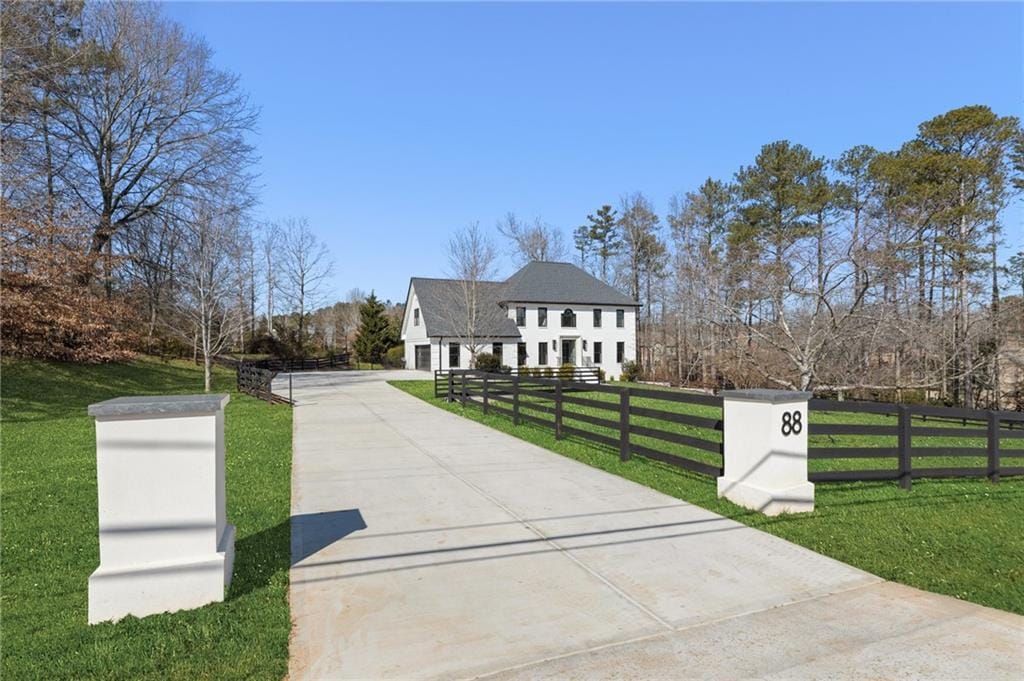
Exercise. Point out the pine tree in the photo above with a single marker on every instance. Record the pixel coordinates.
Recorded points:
(582, 242)
(376, 334)
(604, 235)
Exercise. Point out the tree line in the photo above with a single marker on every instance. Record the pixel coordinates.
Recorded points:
(128, 196)
(876, 273)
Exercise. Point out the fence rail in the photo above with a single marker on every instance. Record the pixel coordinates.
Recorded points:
(907, 425)
(257, 381)
(685, 441)
(591, 376)
(256, 377)
(654, 424)
(339, 361)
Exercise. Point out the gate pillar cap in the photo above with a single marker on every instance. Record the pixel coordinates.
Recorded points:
(159, 405)
(768, 395)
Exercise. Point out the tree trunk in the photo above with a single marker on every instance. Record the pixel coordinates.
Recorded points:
(961, 278)
(997, 336)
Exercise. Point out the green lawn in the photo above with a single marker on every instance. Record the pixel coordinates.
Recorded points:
(49, 524)
(961, 537)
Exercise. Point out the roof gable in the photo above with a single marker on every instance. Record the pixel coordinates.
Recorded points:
(443, 308)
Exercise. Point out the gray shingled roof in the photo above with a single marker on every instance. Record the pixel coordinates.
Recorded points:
(560, 282)
(443, 308)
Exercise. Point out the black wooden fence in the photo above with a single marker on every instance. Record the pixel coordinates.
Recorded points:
(339, 361)
(902, 426)
(588, 375)
(256, 381)
(651, 423)
(256, 377)
(628, 417)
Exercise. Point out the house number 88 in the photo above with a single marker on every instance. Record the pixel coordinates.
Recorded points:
(792, 423)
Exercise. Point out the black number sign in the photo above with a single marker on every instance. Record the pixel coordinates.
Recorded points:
(792, 423)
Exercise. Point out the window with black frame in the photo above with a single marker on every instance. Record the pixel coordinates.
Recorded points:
(620, 318)
(597, 319)
(497, 350)
(568, 319)
(542, 353)
(453, 355)
(620, 352)
(520, 316)
(542, 316)
(597, 352)
(521, 354)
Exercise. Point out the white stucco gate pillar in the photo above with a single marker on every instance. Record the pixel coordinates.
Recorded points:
(165, 543)
(765, 435)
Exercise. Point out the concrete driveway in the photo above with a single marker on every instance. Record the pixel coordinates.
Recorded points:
(428, 546)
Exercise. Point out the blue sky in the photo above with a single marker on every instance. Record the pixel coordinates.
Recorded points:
(391, 125)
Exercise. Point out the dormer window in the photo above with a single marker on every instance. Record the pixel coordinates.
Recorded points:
(568, 319)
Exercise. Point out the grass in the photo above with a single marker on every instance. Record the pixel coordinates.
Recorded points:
(960, 537)
(367, 366)
(49, 522)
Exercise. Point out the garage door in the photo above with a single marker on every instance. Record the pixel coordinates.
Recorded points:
(423, 357)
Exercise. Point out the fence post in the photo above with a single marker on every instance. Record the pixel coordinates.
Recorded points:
(290, 389)
(462, 389)
(904, 444)
(485, 394)
(993, 447)
(515, 399)
(624, 425)
(558, 410)
(451, 387)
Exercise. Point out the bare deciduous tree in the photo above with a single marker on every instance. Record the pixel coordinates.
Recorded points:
(471, 264)
(270, 237)
(304, 266)
(151, 123)
(537, 241)
(206, 306)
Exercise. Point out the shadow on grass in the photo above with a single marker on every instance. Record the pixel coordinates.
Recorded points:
(260, 559)
(264, 557)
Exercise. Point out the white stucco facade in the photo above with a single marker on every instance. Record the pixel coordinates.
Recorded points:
(605, 343)
(585, 344)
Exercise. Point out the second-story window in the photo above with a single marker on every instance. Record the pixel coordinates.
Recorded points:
(416, 317)
(542, 316)
(568, 319)
(620, 318)
(597, 319)
(520, 316)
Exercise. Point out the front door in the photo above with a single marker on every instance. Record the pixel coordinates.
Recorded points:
(569, 351)
(423, 357)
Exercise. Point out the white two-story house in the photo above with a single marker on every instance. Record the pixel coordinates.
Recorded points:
(545, 315)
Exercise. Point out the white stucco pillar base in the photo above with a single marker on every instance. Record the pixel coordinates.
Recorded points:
(765, 451)
(165, 544)
(161, 587)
